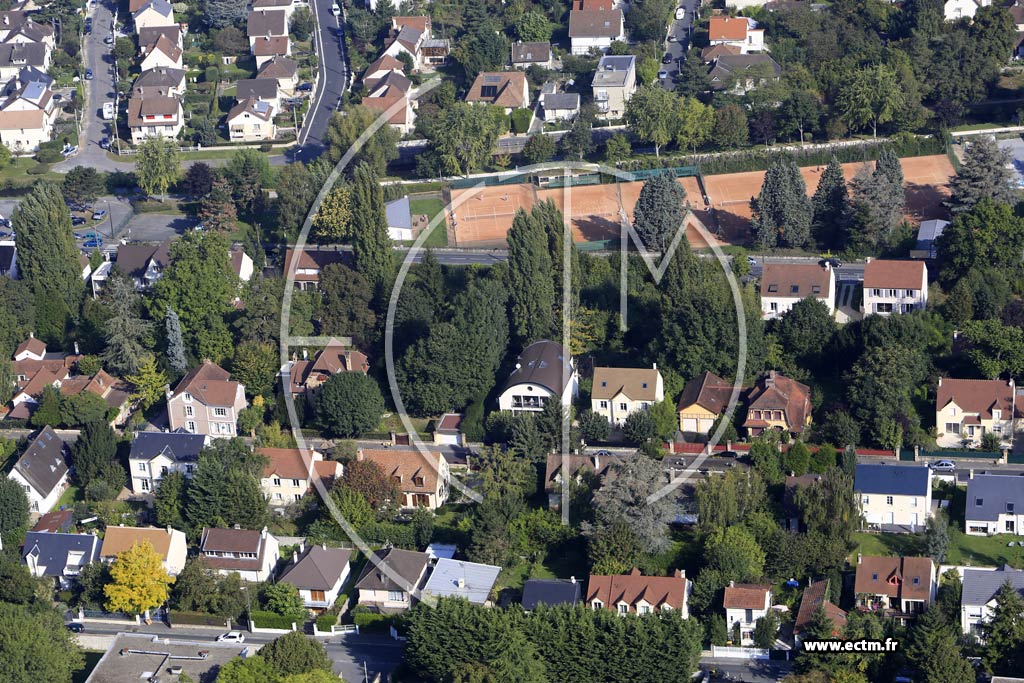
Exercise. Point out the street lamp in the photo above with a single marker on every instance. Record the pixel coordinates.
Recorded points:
(248, 604)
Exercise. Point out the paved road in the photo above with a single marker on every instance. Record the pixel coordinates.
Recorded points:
(746, 671)
(680, 31)
(331, 82)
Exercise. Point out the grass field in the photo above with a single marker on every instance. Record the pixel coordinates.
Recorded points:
(431, 207)
(963, 549)
(68, 498)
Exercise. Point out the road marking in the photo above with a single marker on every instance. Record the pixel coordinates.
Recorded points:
(322, 72)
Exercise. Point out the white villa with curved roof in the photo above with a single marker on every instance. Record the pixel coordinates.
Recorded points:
(543, 371)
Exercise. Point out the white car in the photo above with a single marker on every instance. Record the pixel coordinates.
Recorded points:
(680, 13)
(231, 637)
(335, 10)
(943, 466)
(662, 75)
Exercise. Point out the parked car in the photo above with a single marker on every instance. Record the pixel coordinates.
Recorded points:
(943, 466)
(751, 261)
(109, 40)
(88, 74)
(680, 12)
(305, 87)
(95, 243)
(662, 75)
(231, 637)
(76, 627)
(99, 214)
(5, 222)
(77, 220)
(667, 59)
(105, 143)
(831, 261)
(335, 10)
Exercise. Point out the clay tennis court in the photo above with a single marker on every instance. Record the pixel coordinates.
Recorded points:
(594, 210)
(630, 192)
(482, 217)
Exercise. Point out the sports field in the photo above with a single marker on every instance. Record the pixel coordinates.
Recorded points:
(481, 217)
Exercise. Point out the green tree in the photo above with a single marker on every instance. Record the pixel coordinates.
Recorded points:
(48, 412)
(639, 427)
(805, 331)
(36, 646)
(659, 211)
(694, 124)
(169, 503)
(985, 234)
(350, 404)
(984, 174)
(946, 663)
(347, 303)
(175, 344)
(126, 333)
(371, 247)
(617, 148)
(1004, 632)
(83, 184)
(47, 255)
(157, 165)
(539, 148)
(653, 115)
(252, 669)
(333, 220)
(797, 459)
(149, 384)
(295, 653)
(302, 25)
(483, 48)
(881, 385)
(578, 141)
(225, 488)
(217, 210)
(693, 80)
(765, 629)
(463, 138)
(830, 206)
(735, 554)
(296, 190)
(871, 96)
(877, 204)
(800, 112)
(198, 180)
(530, 282)
(624, 498)
(283, 598)
(783, 211)
(533, 27)
(593, 426)
(255, 365)
(93, 455)
(731, 131)
(14, 513)
(247, 172)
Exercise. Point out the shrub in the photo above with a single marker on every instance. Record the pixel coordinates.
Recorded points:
(364, 618)
(47, 156)
(266, 146)
(324, 622)
(271, 620)
(521, 120)
(38, 169)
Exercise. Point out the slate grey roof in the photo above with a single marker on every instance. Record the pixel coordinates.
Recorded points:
(407, 564)
(545, 363)
(476, 580)
(550, 592)
(42, 464)
(612, 70)
(177, 446)
(530, 53)
(22, 54)
(160, 77)
(893, 480)
(995, 492)
(318, 568)
(398, 213)
(980, 586)
(258, 88)
(562, 100)
(51, 550)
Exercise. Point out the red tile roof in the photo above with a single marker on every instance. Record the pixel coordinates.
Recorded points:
(634, 587)
(210, 384)
(286, 463)
(894, 274)
(747, 596)
(813, 597)
(977, 396)
(417, 473)
(776, 392)
(36, 347)
(727, 28)
(707, 390)
(795, 281)
(894, 577)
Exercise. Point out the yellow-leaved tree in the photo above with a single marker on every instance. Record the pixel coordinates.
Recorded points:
(138, 580)
(334, 219)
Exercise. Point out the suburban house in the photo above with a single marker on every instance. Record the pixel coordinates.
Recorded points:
(792, 519)
(928, 235)
(266, 49)
(60, 556)
(618, 392)
(399, 216)
(31, 358)
(590, 29)
(894, 495)
(143, 263)
(14, 57)
(153, 13)
(815, 596)
(894, 287)
(544, 371)
(978, 596)
(704, 398)
(17, 26)
(318, 572)
(507, 89)
(995, 505)
(742, 73)
(206, 401)
(168, 543)
(900, 587)
(266, 23)
(259, 89)
(550, 592)
(115, 392)
(42, 470)
(289, 473)
(154, 117)
(163, 54)
(423, 478)
(154, 455)
(390, 579)
(23, 130)
(709, 54)
(954, 10)
(407, 40)
(525, 55)
(740, 32)
(389, 98)
(251, 120)
(744, 604)
(557, 105)
(456, 578)
(575, 469)
(784, 284)
(285, 71)
(286, 6)
(967, 409)
(434, 52)
(56, 522)
(149, 36)
(251, 554)
(639, 594)
(160, 82)
(306, 376)
(448, 430)
(778, 402)
(308, 265)
(378, 69)
(613, 84)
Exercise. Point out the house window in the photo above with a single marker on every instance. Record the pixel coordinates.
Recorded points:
(772, 288)
(597, 604)
(794, 289)
(979, 501)
(396, 596)
(644, 609)
(220, 412)
(917, 581)
(489, 91)
(623, 608)
(748, 616)
(277, 496)
(317, 596)
(1009, 526)
(277, 481)
(874, 577)
(297, 496)
(189, 412)
(913, 502)
(189, 469)
(876, 292)
(774, 307)
(145, 484)
(997, 414)
(604, 404)
(142, 467)
(888, 500)
(1009, 508)
(163, 471)
(188, 397)
(645, 385)
(622, 406)
(865, 499)
(952, 427)
(666, 608)
(295, 483)
(190, 426)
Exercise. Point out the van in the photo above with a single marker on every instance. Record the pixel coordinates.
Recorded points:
(108, 111)
(680, 13)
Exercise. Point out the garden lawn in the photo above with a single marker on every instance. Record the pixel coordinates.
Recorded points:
(68, 498)
(431, 207)
(963, 549)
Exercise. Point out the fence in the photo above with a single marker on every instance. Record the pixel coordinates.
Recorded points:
(719, 651)
(678, 171)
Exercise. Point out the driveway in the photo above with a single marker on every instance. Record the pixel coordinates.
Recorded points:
(332, 80)
(100, 89)
(679, 33)
(154, 227)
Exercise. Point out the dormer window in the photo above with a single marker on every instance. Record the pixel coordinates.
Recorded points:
(979, 502)
(997, 414)
(917, 580)
(188, 397)
(794, 289)
(874, 577)
(1009, 508)
(645, 385)
(597, 604)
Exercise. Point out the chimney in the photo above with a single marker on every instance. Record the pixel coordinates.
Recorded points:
(460, 582)
(654, 366)
(302, 546)
(169, 529)
(970, 474)
(31, 335)
(76, 348)
(237, 526)
(323, 546)
(305, 354)
(681, 574)
(860, 558)
(732, 584)
(295, 557)
(572, 579)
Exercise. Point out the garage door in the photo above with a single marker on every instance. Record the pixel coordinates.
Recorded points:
(705, 426)
(689, 424)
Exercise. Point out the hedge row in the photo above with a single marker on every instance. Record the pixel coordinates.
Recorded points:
(324, 622)
(271, 620)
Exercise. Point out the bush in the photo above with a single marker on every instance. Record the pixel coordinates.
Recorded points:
(521, 120)
(197, 618)
(400, 535)
(38, 169)
(262, 619)
(47, 156)
(266, 146)
(324, 622)
(364, 618)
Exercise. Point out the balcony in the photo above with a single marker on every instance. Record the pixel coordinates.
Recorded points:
(527, 403)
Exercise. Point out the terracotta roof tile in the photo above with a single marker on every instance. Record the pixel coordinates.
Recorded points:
(977, 395)
(595, 24)
(813, 596)
(747, 596)
(707, 390)
(287, 463)
(727, 28)
(894, 274)
(776, 392)
(638, 384)
(418, 473)
(633, 587)
(117, 539)
(210, 384)
(894, 577)
(796, 281)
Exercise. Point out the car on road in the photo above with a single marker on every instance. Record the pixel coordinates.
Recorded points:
(673, 39)
(831, 262)
(77, 220)
(335, 10)
(108, 111)
(109, 40)
(603, 454)
(88, 25)
(751, 261)
(231, 637)
(662, 75)
(943, 466)
(88, 74)
(75, 627)
(94, 243)
(105, 143)
(99, 214)
(680, 13)
(87, 235)
(305, 87)
(5, 222)
(667, 59)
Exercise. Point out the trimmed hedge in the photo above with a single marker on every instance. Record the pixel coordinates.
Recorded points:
(521, 120)
(324, 622)
(271, 620)
(363, 618)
